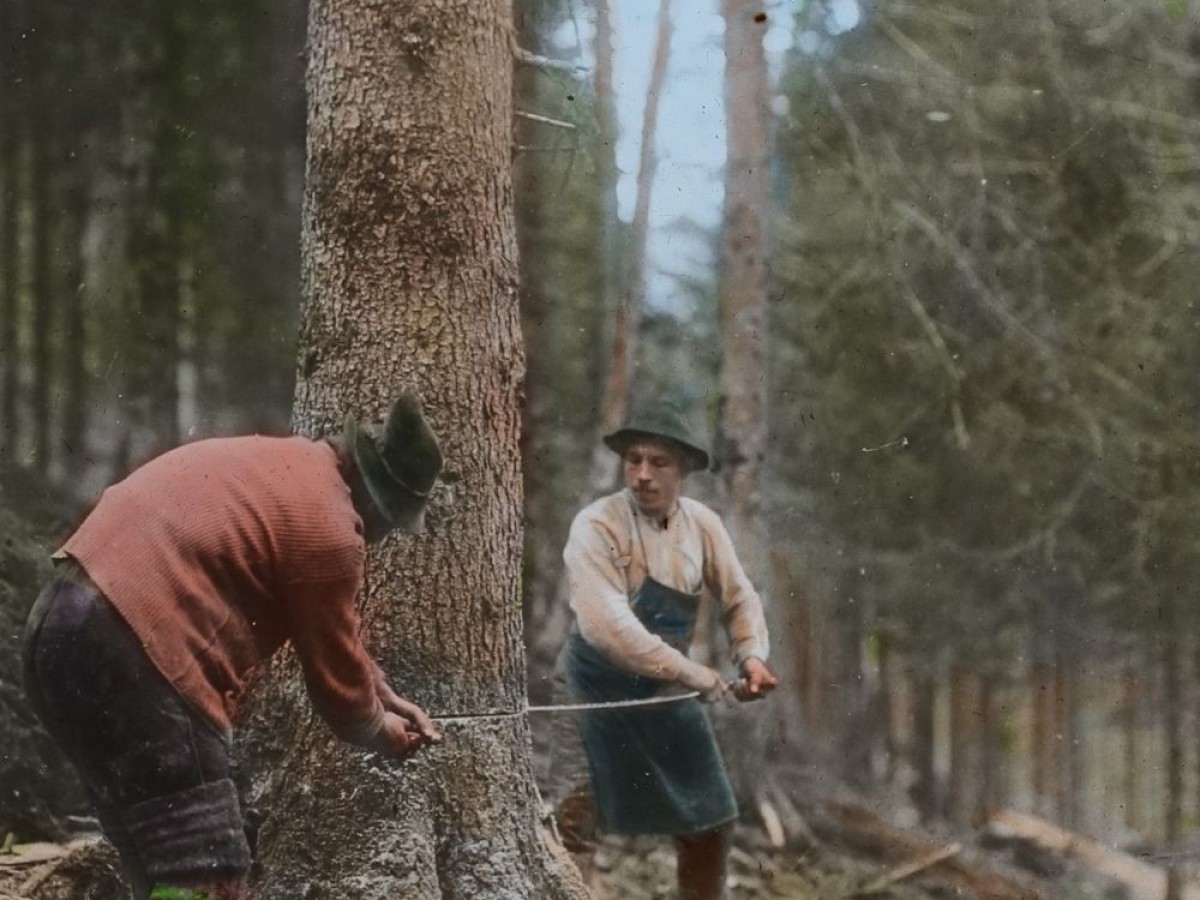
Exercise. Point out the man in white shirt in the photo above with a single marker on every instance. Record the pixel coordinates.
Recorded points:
(638, 562)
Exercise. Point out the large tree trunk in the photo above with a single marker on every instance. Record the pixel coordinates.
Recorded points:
(409, 270)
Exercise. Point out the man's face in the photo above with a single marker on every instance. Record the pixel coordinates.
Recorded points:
(654, 472)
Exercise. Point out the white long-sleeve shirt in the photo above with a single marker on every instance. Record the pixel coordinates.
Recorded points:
(689, 550)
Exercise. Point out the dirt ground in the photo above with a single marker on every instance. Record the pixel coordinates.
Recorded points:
(626, 869)
(643, 870)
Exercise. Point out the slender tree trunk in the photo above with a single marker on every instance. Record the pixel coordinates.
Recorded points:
(615, 400)
(1131, 788)
(991, 749)
(410, 276)
(1195, 727)
(1070, 755)
(805, 660)
(545, 620)
(1044, 763)
(630, 289)
(743, 302)
(74, 350)
(153, 239)
(1172, 660)
(42, 294)
(888, 703)
(742, 446)
(965, 793)
(605, 156)
(10, 165)
(924, 791)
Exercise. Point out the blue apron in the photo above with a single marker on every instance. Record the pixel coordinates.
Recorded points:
(654, 770)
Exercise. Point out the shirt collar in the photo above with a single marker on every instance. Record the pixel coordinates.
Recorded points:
(659, 522)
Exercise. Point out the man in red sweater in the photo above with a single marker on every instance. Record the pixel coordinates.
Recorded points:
(189, 573)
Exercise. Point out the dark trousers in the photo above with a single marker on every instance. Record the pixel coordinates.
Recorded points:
(157, 771)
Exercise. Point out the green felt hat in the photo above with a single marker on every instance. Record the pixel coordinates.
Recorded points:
(660, 420)
(399, 460)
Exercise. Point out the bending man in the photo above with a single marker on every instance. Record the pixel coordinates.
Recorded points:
(187, 575)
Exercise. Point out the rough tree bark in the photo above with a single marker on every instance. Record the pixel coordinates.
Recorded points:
(409, 273)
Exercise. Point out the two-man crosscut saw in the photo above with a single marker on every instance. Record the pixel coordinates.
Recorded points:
(733, 686)
(572, 707)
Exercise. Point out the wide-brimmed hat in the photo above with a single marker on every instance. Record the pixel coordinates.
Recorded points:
(399, 460)
(660, 420)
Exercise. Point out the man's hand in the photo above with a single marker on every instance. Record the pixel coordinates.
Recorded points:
(707, 681)
(396, 738)
(756, 682)
(417, 721)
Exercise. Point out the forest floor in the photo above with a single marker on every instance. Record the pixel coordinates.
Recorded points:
(643, 869)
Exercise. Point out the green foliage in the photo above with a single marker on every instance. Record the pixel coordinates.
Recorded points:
(163, 892)
(989, 328)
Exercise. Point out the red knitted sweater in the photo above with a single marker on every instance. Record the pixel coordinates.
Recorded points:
(219, 551)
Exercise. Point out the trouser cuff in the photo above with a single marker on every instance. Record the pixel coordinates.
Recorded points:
(192, 836)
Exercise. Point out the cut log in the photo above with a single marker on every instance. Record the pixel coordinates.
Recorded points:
(860, 829)
(1142, 880)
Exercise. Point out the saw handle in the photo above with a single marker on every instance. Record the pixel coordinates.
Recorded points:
(740, 688)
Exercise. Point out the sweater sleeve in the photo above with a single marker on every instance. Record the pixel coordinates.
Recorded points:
(741, 607)
(599, 598)
(339, 674)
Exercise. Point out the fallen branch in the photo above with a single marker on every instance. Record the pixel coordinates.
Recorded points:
(772, 824)
(860, 829)
(908, 870)
(545, 120)
(20, 855)
(529, 58)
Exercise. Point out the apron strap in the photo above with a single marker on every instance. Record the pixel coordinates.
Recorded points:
(637, 529)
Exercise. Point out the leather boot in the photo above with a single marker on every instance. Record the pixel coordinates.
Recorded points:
(577, 818)
(702, 864)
